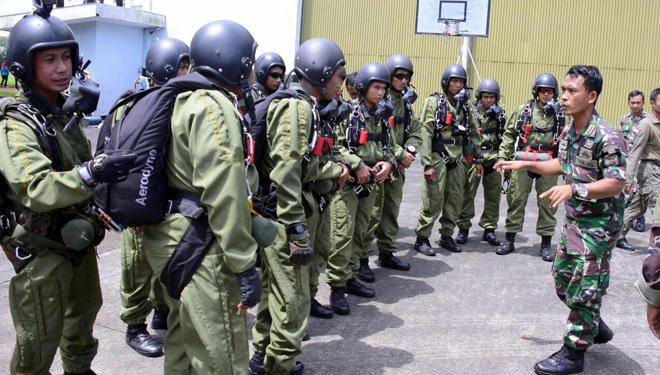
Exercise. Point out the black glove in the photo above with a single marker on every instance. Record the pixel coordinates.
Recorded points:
(463, 96)
(300, 249)
(494, 111)
(410, 96)
(249, 285)
(384, 108)
(109, 167)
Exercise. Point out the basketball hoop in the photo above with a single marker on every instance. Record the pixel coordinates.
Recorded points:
(450, 29)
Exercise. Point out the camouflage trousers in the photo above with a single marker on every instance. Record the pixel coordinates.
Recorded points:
(582, 274)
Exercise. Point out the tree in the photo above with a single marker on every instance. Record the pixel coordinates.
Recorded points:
(3, 46)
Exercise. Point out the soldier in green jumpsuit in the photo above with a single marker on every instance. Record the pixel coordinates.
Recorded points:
(367, 148)
(269, 72)
(139, 288)
(450, 140)
(297, 164)
(206, 173)
(591, 157)
(406, 133)
(48, 180)
(532, 129)
(491, 119)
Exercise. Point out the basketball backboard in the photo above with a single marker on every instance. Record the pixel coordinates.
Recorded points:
(458, 17)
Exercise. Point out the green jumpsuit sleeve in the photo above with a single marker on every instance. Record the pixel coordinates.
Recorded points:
(354, 160)
(415, 138)
(288, 122)
(216, 154)
(475, 135)
(30, 173)
(508, 145)
(636, 151)
(427, 120)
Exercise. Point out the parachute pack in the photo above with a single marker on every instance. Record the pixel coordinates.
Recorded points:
(144, 129)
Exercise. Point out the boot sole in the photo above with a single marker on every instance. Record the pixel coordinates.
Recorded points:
(575, 371)
(148, 354)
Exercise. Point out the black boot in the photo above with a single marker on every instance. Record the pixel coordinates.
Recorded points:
(639, 225)
(298, 369)
(319, 311)
(622, 243)
(355, 288)
(338, 301)
(256, 365)
(364, 272)
(566, 361)
(546, 249)
(462, 236)
(448, 243)
(508, 246)
(489, 236)
(88, 372)
(306, 336)
(605, 334)
(423, 246)
(159, 320)
(138, 338)
(387, 260)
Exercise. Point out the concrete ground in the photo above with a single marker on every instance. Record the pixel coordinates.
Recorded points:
(468, 313)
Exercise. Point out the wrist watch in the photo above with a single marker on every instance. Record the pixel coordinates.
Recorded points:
(297, 232)
(580, 190)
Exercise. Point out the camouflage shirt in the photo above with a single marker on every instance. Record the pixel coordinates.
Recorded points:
(649, 282)
(629, 125)
(598, 152)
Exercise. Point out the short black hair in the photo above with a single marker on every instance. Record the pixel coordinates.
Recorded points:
(654, 94)
(634, 93)
(350, 79)
(593, 80)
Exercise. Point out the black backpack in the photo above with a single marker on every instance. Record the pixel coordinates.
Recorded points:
(144, 129)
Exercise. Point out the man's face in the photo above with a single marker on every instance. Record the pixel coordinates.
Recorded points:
(636, 104)
(375, 93)
(545, 95)
(487, 100)
(352, 91)
(655, 105)
(51, 71)
(575, 99)
(333, 87)
(274, 78)
(400, 79)
(455, 86)
(183, 68)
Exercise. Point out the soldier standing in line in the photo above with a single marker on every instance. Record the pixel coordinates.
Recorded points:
(591, 157)
(533, 130)
(206, 174)
(367, 147)
(297, 164)
(406, 133)
(450, 141)
(644, 162)
(269, 72)
(492, 120)
(48, 179)
(629, 127)
(139, 288)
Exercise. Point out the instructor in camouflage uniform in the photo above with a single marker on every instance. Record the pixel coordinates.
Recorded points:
(298, 174)
(406, 133)
(206, 175)
(628, 123)
(591, 157)
(531, 133)
(492, 120)
(450, 141)
(48, 179)
(644, 162)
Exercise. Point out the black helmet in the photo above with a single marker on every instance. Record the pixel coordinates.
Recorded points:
(317, 60)
(545, 80)
(452, 71)
(490, 86)
(34, 33)
(368, 73)
(163, 59)
(223, 50)
(264, 63)
(398, 61)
